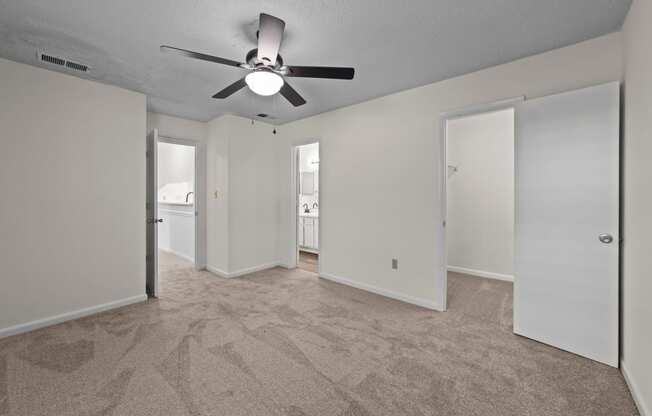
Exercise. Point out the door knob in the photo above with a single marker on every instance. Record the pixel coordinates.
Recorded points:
(606, 238)
(159, 220)
(155, 220)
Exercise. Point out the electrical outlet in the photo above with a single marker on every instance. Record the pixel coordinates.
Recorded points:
(395, 264)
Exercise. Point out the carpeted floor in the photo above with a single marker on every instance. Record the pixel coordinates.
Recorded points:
(284, 342)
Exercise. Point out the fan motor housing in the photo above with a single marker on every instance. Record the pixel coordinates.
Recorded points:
(252, 59)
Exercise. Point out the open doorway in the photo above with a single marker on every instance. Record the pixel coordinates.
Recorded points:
(539, 207)
(480, 212)
(176, 206)
(175, 237)
(307, 197)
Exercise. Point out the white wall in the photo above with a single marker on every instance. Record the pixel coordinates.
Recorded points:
(243, 219)
(72, 180)
(380, 161)
(637, 205)
(480, 213)
(253, 190)
(217, 191)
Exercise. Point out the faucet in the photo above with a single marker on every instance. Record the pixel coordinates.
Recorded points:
(305, 208)
(315, 205)
(188, 195)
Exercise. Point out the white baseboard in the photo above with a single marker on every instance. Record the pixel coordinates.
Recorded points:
(481, 273)
(242, 272)
(309, 250)
(424, 303)
(643, 409)
(178, 254)
(217, 271)
(68, 316)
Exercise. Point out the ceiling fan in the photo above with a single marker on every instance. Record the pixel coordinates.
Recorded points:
(267, 70)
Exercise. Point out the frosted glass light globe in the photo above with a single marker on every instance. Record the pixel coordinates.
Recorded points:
(264, 82)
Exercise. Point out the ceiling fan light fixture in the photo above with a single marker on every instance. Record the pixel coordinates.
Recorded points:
(264, 82)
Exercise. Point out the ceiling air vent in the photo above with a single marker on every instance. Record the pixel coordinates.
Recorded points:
(52, 60)
(63, 62)
(77, 66)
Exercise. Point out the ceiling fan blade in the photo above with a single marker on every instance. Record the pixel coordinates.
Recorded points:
(292, 95)
(235, 87)
(197, 55)
(330, 72)
(270, 35)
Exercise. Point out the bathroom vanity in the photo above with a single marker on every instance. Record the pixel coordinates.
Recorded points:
(309, 232)
(176, 234)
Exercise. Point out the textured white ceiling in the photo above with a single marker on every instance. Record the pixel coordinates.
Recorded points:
(393, 45)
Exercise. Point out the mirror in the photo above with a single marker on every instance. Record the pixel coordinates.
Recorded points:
(307, 183)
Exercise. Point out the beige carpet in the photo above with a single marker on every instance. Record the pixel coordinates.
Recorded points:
(286, 343)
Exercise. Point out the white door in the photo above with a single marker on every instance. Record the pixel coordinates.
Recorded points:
(567, 211)
(152, 219)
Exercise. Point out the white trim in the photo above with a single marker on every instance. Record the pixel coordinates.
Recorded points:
(424, 303)
(643, 409)
(217, 271)
(441, 249)
(308, 250)
(482, 108)
(481, 273)
(245, 271)
(68, 316)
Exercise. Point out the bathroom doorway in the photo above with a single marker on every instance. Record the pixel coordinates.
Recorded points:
(176, 206)
(307, 196)
(175, 214)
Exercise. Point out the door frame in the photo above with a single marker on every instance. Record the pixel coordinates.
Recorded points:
(200, 197)
(151, 213)
(441, 273)
(294, 203)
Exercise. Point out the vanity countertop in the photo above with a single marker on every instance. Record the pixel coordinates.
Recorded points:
(309, 214)
(185, 204)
